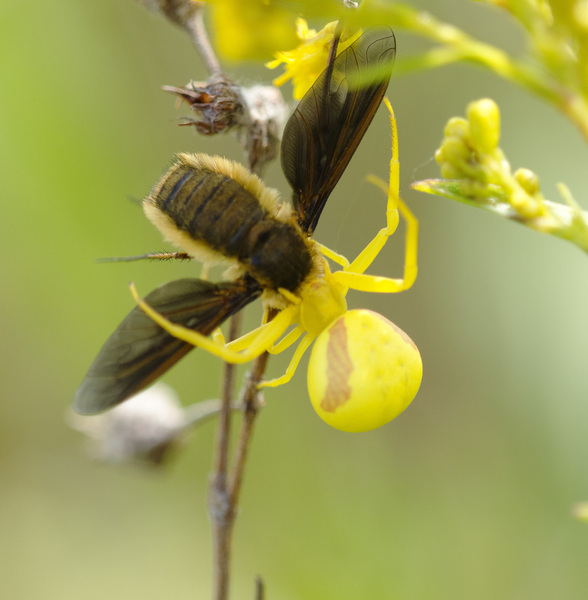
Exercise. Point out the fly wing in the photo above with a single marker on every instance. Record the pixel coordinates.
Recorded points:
(325, 129)
(139, 350)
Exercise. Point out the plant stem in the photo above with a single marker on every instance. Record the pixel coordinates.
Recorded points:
(224, 488)
(197, 30)
(251, 405)
(220, 512)
(259, 588)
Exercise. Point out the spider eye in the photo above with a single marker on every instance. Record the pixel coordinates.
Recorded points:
(363, 372)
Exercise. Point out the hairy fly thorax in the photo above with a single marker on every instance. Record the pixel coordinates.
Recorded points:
(217, 211)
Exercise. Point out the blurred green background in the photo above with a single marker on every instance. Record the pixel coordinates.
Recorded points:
(466, 495)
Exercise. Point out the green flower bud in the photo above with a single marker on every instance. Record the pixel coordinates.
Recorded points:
(457, 127)
(448, 171)
(453, 150)
(528, 180)
(484, 118)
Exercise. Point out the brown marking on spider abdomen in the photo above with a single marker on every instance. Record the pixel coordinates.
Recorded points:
(339, 368)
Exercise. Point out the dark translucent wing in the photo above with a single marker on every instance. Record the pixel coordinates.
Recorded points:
(139, 350)
(325, 129)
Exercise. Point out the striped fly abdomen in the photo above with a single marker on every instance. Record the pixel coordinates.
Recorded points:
(211, 206)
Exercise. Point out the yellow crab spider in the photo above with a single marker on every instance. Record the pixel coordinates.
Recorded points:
(363, 370)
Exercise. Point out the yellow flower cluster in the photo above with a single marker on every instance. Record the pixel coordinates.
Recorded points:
(470, 152)
(477, 172)
(305, 63)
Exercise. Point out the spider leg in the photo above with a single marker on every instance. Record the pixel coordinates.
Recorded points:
(287, 341)
(353, 276)
(243, 342)
(264, 338)
(298, 354)
(334, 256)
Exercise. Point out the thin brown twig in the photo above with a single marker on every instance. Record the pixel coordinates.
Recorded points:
(188, 14)
(224, 487)
(228, 393)
(221, 513)
(197, 30)
(259, 588)
(225, 492)
(251, 404)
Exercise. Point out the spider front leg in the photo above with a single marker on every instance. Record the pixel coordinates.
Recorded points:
(353, 276)
(258, 342)
(334, 256)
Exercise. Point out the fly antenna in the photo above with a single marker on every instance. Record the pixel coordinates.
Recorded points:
(150, 256)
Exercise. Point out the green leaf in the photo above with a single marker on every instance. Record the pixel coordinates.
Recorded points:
(567, 222)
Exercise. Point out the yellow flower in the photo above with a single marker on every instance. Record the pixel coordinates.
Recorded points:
(251, 29)
(306, 62)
